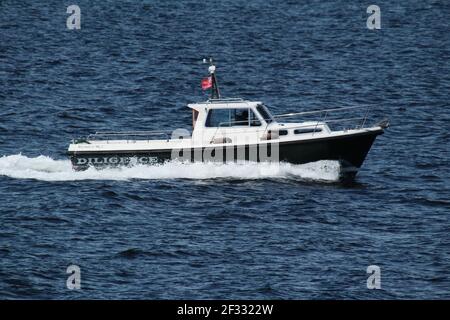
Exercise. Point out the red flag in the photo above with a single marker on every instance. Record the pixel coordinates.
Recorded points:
(206, 83)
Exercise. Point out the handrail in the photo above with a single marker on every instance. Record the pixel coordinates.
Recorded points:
(317, 111)
(127, 133)
(226, 100)
(326, 112)
(108, 135)
(344, 120)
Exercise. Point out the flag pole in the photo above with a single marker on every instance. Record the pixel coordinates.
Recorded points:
(215, 92)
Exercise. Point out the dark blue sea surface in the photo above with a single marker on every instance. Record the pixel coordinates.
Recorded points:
(201, 232)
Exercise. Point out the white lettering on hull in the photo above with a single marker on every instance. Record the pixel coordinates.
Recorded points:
(114, 160)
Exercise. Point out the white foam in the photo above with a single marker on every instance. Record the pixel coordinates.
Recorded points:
(48, 169)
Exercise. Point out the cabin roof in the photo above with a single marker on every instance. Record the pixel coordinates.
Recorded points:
(223, 103)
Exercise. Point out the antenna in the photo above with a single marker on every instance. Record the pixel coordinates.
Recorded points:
(210, 60)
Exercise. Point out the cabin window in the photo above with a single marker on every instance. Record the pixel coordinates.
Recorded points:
(194, 117)
(307, 130)
(253, 120)
(264, 113)
(218, 118)
(239, 117)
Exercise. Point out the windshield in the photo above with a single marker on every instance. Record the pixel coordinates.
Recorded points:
(262, 109)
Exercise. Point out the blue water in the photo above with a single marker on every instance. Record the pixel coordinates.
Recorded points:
(222, 232)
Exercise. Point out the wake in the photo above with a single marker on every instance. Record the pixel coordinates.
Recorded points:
(47, 169)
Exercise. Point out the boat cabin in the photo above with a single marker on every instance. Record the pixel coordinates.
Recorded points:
(222, 120)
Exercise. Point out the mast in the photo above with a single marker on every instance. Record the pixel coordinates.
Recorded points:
(215, 92)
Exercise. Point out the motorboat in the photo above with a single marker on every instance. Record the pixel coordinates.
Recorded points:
(238, 130)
